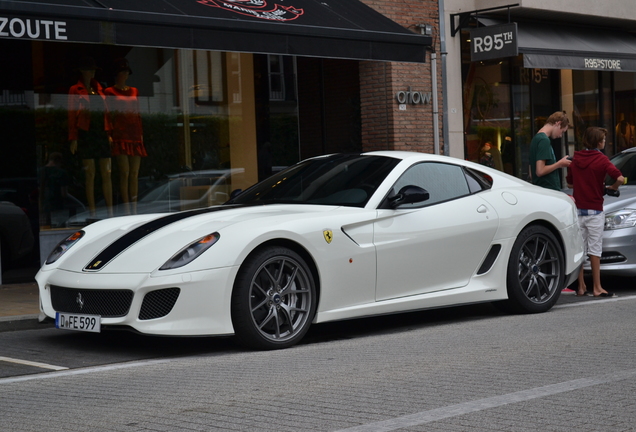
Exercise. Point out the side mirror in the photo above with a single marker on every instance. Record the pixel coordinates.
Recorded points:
(409, 195)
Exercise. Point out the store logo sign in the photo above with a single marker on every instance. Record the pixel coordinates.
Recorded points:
(412, 97)
(493, 42)
(32, 28)
(602, 64)
(256, 9)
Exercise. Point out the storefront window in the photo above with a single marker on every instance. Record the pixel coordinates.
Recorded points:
(587, 96)
(523, 127)
(625, 109)
(511, 111)
(581, 100)
(142, 130)
(606, 108)
(487, 93)
(145, 130)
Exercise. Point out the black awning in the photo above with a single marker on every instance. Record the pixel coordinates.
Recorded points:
(328, 28)
(568, 47)
(557, 47)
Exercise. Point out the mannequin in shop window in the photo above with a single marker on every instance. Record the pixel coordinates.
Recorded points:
(624, 134)
(126, 132)
(87, 132)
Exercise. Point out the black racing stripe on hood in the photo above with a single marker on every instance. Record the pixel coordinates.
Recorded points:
(127, 240)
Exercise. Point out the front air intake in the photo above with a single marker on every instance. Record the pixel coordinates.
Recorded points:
(612, 257)
(158, 303)
(106, 303)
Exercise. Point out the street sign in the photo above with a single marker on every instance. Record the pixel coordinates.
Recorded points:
(493, 42)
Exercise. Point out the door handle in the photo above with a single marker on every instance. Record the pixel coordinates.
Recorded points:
(482, 209)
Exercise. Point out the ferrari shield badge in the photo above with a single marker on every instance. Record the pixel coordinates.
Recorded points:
(328, 235)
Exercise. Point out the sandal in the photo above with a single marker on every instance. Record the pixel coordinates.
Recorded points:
(606, 295)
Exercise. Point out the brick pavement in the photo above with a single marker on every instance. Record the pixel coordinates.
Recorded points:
(571, 370)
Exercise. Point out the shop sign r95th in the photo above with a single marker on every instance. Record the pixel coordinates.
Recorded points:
(493, 42)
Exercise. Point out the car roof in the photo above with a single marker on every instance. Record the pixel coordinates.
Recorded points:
(404, 155)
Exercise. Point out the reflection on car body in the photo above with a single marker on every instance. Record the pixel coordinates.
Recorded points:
(175, 192)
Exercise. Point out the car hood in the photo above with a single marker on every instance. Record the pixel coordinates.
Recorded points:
(142, 244)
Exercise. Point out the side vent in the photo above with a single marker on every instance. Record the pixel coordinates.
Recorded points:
(490, 259)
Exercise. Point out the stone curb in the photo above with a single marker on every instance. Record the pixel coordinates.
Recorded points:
(23, 322)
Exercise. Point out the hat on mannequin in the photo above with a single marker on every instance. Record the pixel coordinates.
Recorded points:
(87, 63)
(121, 64)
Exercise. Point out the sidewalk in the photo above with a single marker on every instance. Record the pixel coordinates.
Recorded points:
(19, 307)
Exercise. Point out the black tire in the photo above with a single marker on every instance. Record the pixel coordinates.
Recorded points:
(536, 272)
(274, 299)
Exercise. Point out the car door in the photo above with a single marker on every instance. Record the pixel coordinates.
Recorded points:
(436, 244)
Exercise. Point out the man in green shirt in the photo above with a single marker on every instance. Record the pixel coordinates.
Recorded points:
(543, 163)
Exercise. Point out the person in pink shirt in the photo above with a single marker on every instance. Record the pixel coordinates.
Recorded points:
(586, 175)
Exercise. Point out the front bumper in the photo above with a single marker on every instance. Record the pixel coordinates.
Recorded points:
(619, 253)
(201, 308)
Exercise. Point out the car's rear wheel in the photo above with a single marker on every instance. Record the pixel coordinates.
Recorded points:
(274, 299)
(536, 271)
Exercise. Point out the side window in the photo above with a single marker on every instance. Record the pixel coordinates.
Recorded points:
(443, 182)
(477, 181)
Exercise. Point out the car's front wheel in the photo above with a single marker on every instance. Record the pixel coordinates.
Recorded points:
(274, 299)
(536, 271)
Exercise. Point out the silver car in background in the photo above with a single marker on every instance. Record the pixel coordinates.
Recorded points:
(619, 237)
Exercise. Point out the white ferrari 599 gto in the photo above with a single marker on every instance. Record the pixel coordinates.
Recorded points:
(330, 238)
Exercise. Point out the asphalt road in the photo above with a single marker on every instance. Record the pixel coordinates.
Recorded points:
(469, 368)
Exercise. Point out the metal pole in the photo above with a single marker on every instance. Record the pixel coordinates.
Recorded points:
(434, 93)
(442, 47)
(435, 109)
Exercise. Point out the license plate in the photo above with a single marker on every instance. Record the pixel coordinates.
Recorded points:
(87, 323)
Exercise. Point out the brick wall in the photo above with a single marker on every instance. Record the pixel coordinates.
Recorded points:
(384, 125)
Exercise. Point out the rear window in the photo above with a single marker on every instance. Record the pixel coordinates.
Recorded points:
(477, 180)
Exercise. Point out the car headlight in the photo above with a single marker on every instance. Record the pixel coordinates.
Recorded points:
(190, 252)
(63, 246)
(625, 218)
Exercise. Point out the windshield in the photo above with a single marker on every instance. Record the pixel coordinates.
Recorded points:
(343, 179)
